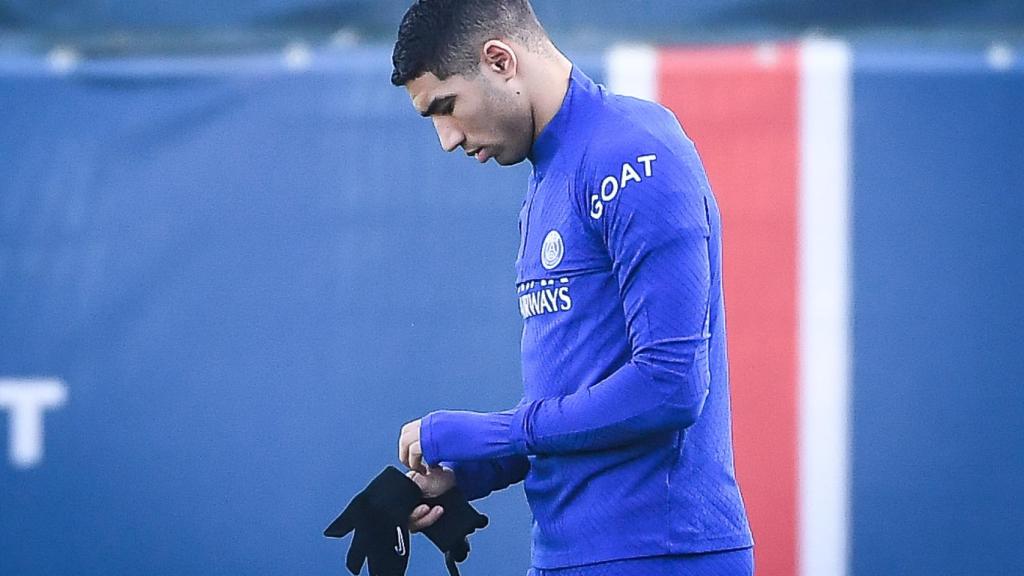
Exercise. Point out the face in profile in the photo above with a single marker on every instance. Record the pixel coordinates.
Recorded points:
(479, 114)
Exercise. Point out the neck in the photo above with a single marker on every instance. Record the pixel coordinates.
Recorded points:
(552, 81)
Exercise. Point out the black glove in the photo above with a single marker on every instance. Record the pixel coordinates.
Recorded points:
(380, 517)
(450, 531)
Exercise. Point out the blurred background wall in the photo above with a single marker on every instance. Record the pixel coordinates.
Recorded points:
(233, 262)
(639, 19)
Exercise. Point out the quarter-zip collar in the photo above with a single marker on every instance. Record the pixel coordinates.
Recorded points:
(550, 141)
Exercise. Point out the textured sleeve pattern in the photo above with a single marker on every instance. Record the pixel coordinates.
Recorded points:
(646, 202)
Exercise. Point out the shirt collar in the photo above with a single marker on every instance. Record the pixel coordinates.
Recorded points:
(547, 145)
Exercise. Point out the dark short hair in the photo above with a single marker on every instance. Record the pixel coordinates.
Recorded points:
(444, 37)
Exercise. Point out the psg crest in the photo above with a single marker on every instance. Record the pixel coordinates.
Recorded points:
(552, 251)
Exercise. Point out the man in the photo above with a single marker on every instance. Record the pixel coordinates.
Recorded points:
(623, 435)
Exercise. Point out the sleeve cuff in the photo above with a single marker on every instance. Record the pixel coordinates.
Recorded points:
(518, 433)
(468, 478)
(457, 435)
(427, 444)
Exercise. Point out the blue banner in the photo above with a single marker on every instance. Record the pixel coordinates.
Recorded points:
(225, 284)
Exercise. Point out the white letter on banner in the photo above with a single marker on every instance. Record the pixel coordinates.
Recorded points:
(27, 400)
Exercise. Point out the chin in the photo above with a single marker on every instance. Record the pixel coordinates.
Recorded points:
(511, 160)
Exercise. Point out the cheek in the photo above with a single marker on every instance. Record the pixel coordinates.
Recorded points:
(471, 122)
(511, 127)
(500, 116)
(516, 128)
(489, 119)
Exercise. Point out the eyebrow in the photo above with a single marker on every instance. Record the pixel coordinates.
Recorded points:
(437, 105)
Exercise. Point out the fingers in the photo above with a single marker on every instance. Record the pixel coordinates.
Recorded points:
(421, 480)
(413, 457)
(460, 551)
(409, 451)
(356, 553)
(345, 523)
(416, 458)
(403, 446)
(423, 517)
(417, 516)
(434, 482)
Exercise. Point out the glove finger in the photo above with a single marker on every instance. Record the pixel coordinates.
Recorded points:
(346, 522)
(390, 555)
(460, 551)
(356, 553)
(482, 521)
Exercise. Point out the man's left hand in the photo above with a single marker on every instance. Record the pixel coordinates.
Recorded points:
(410, 452)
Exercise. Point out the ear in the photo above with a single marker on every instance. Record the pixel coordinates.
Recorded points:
(500, 58)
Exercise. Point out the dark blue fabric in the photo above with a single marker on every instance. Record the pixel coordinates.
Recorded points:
(625, 417)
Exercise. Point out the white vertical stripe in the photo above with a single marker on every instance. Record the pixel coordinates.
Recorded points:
(633, 71)
(825, 364)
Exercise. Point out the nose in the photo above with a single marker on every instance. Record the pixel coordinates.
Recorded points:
(449, 134)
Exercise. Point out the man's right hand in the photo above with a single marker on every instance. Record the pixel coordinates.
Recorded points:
(435, 482)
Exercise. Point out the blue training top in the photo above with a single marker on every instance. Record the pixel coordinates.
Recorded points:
(624, 433)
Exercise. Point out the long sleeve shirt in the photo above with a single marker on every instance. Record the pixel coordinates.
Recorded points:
(624, 434)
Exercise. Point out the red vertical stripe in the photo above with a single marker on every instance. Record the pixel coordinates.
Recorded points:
(740, 106)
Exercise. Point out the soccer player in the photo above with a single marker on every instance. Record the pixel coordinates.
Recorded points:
(623, 434)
